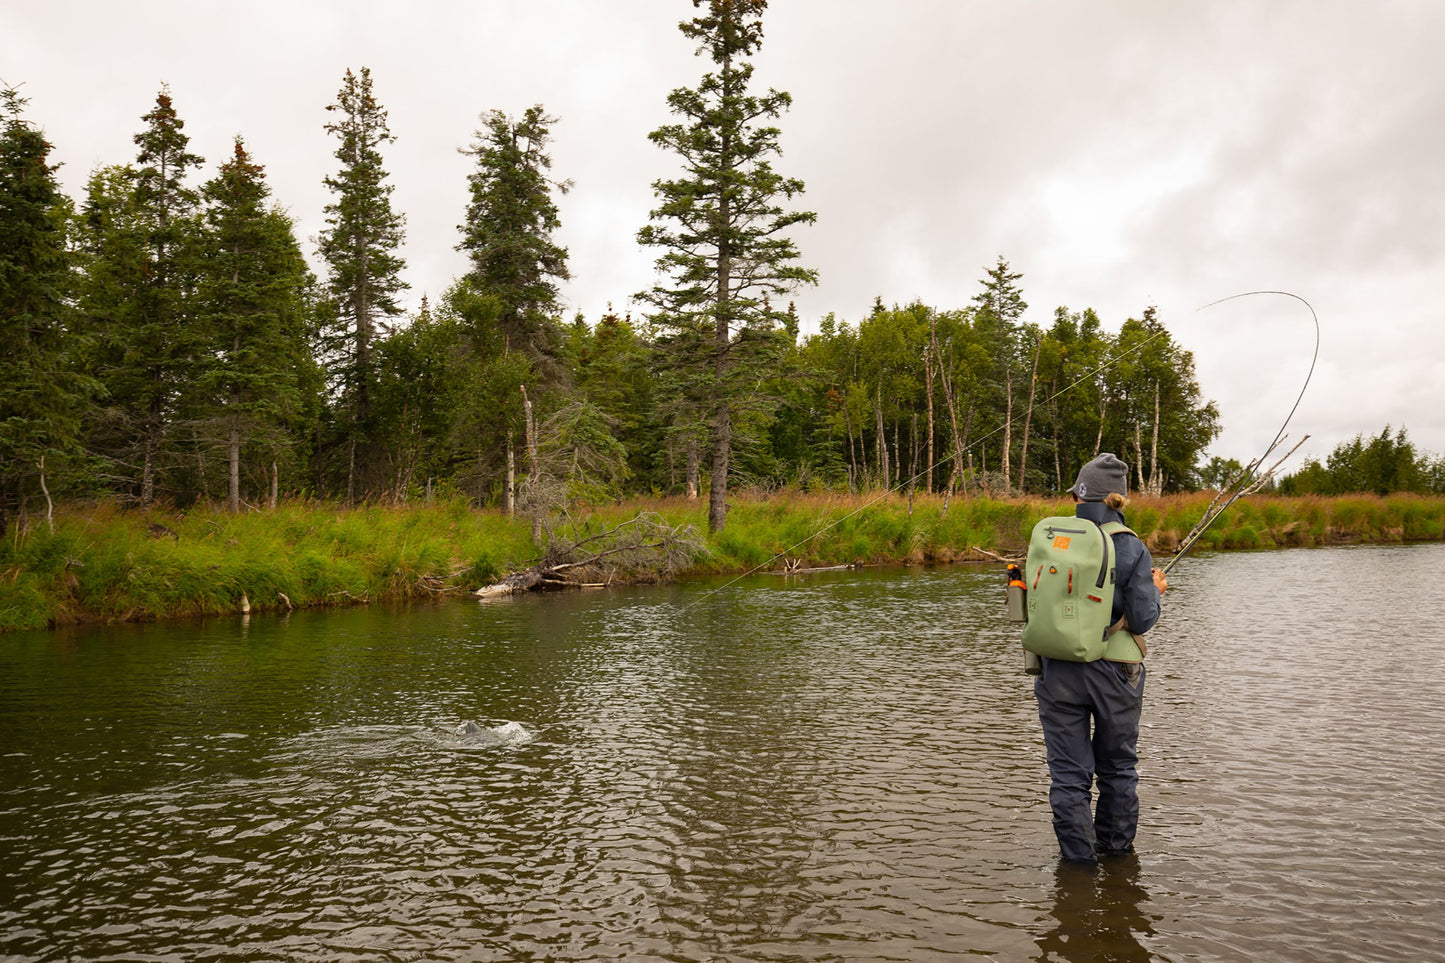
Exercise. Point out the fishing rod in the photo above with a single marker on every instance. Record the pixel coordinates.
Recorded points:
(1238, 489)
(1108, 363)
(1241, 486)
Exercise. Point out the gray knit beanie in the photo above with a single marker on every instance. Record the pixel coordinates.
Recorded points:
(1101, 476)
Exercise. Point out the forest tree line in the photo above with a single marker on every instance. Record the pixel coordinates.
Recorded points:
(192, 355)
(167, 341)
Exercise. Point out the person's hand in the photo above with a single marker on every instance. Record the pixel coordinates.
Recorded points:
(1160, 582)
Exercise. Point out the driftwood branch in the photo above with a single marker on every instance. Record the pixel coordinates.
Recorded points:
(1014, 559)
(364, 599)
(591, 559)
(794, 566)
(644, 546)
(614, 532)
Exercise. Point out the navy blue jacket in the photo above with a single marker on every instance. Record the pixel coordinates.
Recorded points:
(1135, 594)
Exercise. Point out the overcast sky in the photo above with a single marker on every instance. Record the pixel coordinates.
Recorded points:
(1118, 154)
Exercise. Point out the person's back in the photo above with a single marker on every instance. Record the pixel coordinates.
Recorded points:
(1090, 710)
(1135, 594)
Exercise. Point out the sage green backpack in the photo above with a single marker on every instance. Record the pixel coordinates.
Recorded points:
(1069, 576)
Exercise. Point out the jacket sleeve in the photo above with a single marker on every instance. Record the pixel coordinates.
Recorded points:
(1141, 597)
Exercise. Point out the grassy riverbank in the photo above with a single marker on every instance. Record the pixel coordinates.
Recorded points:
(102, 563)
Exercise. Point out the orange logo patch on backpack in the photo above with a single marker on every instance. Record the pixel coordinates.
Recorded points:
(1061, 543)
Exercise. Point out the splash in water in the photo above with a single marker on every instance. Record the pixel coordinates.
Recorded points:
(507, 734)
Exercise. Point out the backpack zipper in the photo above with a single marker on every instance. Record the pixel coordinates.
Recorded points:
(1103, 567)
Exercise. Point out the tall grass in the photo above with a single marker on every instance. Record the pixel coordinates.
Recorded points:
(104, 563)
(108, 564)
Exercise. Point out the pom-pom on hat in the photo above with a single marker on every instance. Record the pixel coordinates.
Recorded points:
(1103, 475)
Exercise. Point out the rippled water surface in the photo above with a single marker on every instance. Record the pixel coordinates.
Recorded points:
(846, 766)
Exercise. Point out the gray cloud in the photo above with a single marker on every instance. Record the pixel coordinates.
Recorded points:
(1119, 154)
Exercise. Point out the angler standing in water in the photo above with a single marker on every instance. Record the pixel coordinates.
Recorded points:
(1090, 709)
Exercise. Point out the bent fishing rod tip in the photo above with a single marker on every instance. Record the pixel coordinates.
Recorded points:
(1242, 487)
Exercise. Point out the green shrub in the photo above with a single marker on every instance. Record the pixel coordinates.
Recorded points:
(104, 563)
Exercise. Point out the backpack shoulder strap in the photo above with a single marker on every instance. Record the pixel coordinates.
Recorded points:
(1118, 650)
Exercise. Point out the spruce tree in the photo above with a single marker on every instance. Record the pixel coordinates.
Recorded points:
(515, 263)
(42, 394)
(157, 348)
(485, 380)
(509, 226)
(1000, 308)
(112, 247)
(252, 292)
(414, 400)
(359, 245)
(722, 228)
(612, 367)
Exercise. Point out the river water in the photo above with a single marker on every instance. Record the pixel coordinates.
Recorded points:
(843, 766)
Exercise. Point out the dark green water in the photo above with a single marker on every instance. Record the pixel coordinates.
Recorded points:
(840, 767)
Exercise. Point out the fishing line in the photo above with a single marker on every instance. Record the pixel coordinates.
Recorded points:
(1240, 486)
(1108, 363)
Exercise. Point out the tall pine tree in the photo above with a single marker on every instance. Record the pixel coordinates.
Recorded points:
(252, 293)
(514, 260)
(1000, 308)
(112, 246)
(154, 350)
(509, 226)
(360, 244)
(722, 228)
(42, 394)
